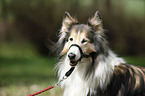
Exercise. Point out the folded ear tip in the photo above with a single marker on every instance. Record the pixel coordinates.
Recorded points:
(66, 14)
(97, 14)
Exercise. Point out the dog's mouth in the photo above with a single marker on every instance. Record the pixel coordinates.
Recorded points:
(73, 62)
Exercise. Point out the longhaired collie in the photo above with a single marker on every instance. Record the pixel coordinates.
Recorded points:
(98, 71)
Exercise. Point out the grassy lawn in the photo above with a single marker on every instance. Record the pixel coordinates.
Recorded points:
(21, 75)
(23, 71)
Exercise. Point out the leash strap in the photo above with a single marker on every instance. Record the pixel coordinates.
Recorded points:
(67, 74)
(50, 87)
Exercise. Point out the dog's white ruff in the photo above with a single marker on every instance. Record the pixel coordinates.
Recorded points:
(77, 85)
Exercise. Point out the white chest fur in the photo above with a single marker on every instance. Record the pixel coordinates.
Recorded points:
(77, 85)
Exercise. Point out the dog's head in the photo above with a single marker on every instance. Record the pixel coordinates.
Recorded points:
(78, 39)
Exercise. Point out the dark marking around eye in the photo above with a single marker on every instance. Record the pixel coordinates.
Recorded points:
(84, 40)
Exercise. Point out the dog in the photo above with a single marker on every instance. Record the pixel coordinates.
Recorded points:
(98, 70)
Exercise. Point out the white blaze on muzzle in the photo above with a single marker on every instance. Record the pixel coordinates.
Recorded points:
(74, 53)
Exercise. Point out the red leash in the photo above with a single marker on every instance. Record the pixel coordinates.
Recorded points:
(52, 86)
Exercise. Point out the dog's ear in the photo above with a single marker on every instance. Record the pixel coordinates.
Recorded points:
(68, 21)
(96, 23)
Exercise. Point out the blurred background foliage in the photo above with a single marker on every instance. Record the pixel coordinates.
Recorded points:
(29, 27)
(37, 22)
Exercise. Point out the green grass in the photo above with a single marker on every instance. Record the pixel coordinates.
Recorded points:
(26, 69)
(138, 61)
(22, 76)
(23, 71)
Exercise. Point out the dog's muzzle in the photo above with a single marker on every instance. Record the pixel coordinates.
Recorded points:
(75, 54)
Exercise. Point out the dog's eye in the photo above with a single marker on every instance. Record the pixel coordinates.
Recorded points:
(83, 41)
(71, 39)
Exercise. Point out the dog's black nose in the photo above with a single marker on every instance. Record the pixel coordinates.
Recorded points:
(71, 56)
